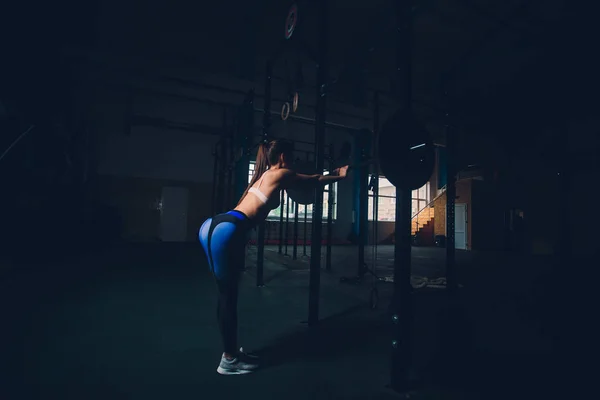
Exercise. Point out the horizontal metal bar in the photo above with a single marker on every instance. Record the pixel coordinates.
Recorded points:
(310, 121)
(293, 117)
(196, 84)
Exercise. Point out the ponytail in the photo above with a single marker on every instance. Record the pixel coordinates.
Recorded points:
(261, 166)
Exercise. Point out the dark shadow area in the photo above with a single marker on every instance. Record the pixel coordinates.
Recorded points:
(333, 337)
(482, 345)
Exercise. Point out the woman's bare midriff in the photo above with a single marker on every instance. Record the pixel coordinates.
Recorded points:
(253, 208)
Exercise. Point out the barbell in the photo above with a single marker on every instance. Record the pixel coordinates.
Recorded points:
(405, 155)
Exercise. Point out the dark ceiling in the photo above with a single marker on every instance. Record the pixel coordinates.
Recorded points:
(485, 51)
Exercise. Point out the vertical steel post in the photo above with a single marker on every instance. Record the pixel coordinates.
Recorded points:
(295, 251)
(229, 201)
(305, 239)
(376, 172)
(330, 204)
(451, 283)
(321, 115)
(221, 199)
(401, 303)
(363, 209)
(287, 223)
(215, 179)
(281, 207)
(260, 254)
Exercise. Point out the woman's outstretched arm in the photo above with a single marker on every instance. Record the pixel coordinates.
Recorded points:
(293, 179)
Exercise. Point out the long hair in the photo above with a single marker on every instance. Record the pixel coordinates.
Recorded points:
(267, 155)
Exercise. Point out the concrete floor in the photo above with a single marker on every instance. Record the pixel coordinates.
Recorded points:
(138, 322)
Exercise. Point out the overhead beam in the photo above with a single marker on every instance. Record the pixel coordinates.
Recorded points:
(200, 85)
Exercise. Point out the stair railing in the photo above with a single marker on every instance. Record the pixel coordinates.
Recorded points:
(443, 190)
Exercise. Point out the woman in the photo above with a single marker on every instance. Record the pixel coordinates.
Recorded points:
(224, 238)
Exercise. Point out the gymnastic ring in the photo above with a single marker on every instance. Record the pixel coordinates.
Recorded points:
(285, 111)
(295, 102)
(374, 298)
(291, 20)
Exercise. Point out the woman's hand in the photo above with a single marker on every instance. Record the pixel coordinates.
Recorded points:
(341, 171)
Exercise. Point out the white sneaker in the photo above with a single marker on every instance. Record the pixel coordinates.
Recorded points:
(242, 364)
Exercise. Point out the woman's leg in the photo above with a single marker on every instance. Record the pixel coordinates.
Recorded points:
(224, 244)
(227, 315)
(233, 361)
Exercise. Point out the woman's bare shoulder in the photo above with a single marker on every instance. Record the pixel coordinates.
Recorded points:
(283, 172)
(283, 175)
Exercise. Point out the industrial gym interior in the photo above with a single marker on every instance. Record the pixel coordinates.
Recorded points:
(120, 129)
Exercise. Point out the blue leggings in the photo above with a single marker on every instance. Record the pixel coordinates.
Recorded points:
(223, 238)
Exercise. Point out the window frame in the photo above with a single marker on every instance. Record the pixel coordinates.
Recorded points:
(414, 198)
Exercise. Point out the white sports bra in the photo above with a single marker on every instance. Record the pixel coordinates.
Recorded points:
(273, 203)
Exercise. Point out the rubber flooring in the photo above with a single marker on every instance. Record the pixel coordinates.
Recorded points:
(138, 322)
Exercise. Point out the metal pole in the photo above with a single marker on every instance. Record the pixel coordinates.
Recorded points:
(376, 172)
(295, 251)
(363, 211)
(321, 115)
(401, 303)
(282, 201)
(305, 222)
(287, 223)
(451, 284)
(330, 198)
(222, 191)
(330, 207)
(305, 239)
(375, 216)
(268, 231)
(229, 201)
(244, 133)
(215, 177)
(230, 157)
(260, 254)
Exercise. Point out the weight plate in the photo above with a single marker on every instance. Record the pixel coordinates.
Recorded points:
(304, 167)
(301, 196)
(406, 152)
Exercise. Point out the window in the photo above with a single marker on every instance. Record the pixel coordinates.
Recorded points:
(420, 199)
(251, 171)
(302, 210)
(386, 207)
